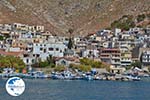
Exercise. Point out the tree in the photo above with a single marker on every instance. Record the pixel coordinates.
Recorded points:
(59, 68)
(85, 68)
(85, 61)
(137, 64)
(40, 64)
(141, 17)
(70, 30)
(128, 67)
(96, 64)
(51, 61)
(93, 64)
(70, 43)
(125, 23)
(1, 37)
(43, 64)
(73, 66)
(3, 62)
(11, 62)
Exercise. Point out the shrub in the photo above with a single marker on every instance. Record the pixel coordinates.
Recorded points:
(59, 68)
(92, 63)
(125, 23)
(141, 17)
(1, 37)
(137, 64)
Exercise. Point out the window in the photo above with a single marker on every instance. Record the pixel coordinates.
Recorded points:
(27, 60)
(32, 60)
(41, 49)
(51, 49)
(25, 55)
(44, 50)
(63, 62)
(66, 39)
(57, 49)
(15, 26)
(37, 55)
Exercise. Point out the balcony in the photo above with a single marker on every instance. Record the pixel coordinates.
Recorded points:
(115, 63)
(115, 57)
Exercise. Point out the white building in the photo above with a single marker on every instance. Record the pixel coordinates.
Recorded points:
(66, 61)
(146, 58)
(126, 59)
(117, 31)
(90, 53)
(43, 50)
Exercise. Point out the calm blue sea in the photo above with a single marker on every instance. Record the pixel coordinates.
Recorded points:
(80, 90)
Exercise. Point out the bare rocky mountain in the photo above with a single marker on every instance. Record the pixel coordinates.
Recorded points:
(83, 16)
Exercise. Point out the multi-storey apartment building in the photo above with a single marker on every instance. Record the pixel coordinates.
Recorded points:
(43, 50)
(145, 58)
(111, 56)
(126, 59)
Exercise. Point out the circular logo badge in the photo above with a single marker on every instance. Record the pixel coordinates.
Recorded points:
(15, 86)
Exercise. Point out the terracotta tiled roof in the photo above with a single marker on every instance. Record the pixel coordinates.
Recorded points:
(2, 52)
(113, 49)
(90, 34)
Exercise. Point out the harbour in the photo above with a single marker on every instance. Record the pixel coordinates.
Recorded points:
(69, 75)
(74, 49)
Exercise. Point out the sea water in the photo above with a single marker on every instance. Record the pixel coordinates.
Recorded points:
(39, 89)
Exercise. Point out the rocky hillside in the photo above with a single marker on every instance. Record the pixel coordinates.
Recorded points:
(83, 16)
